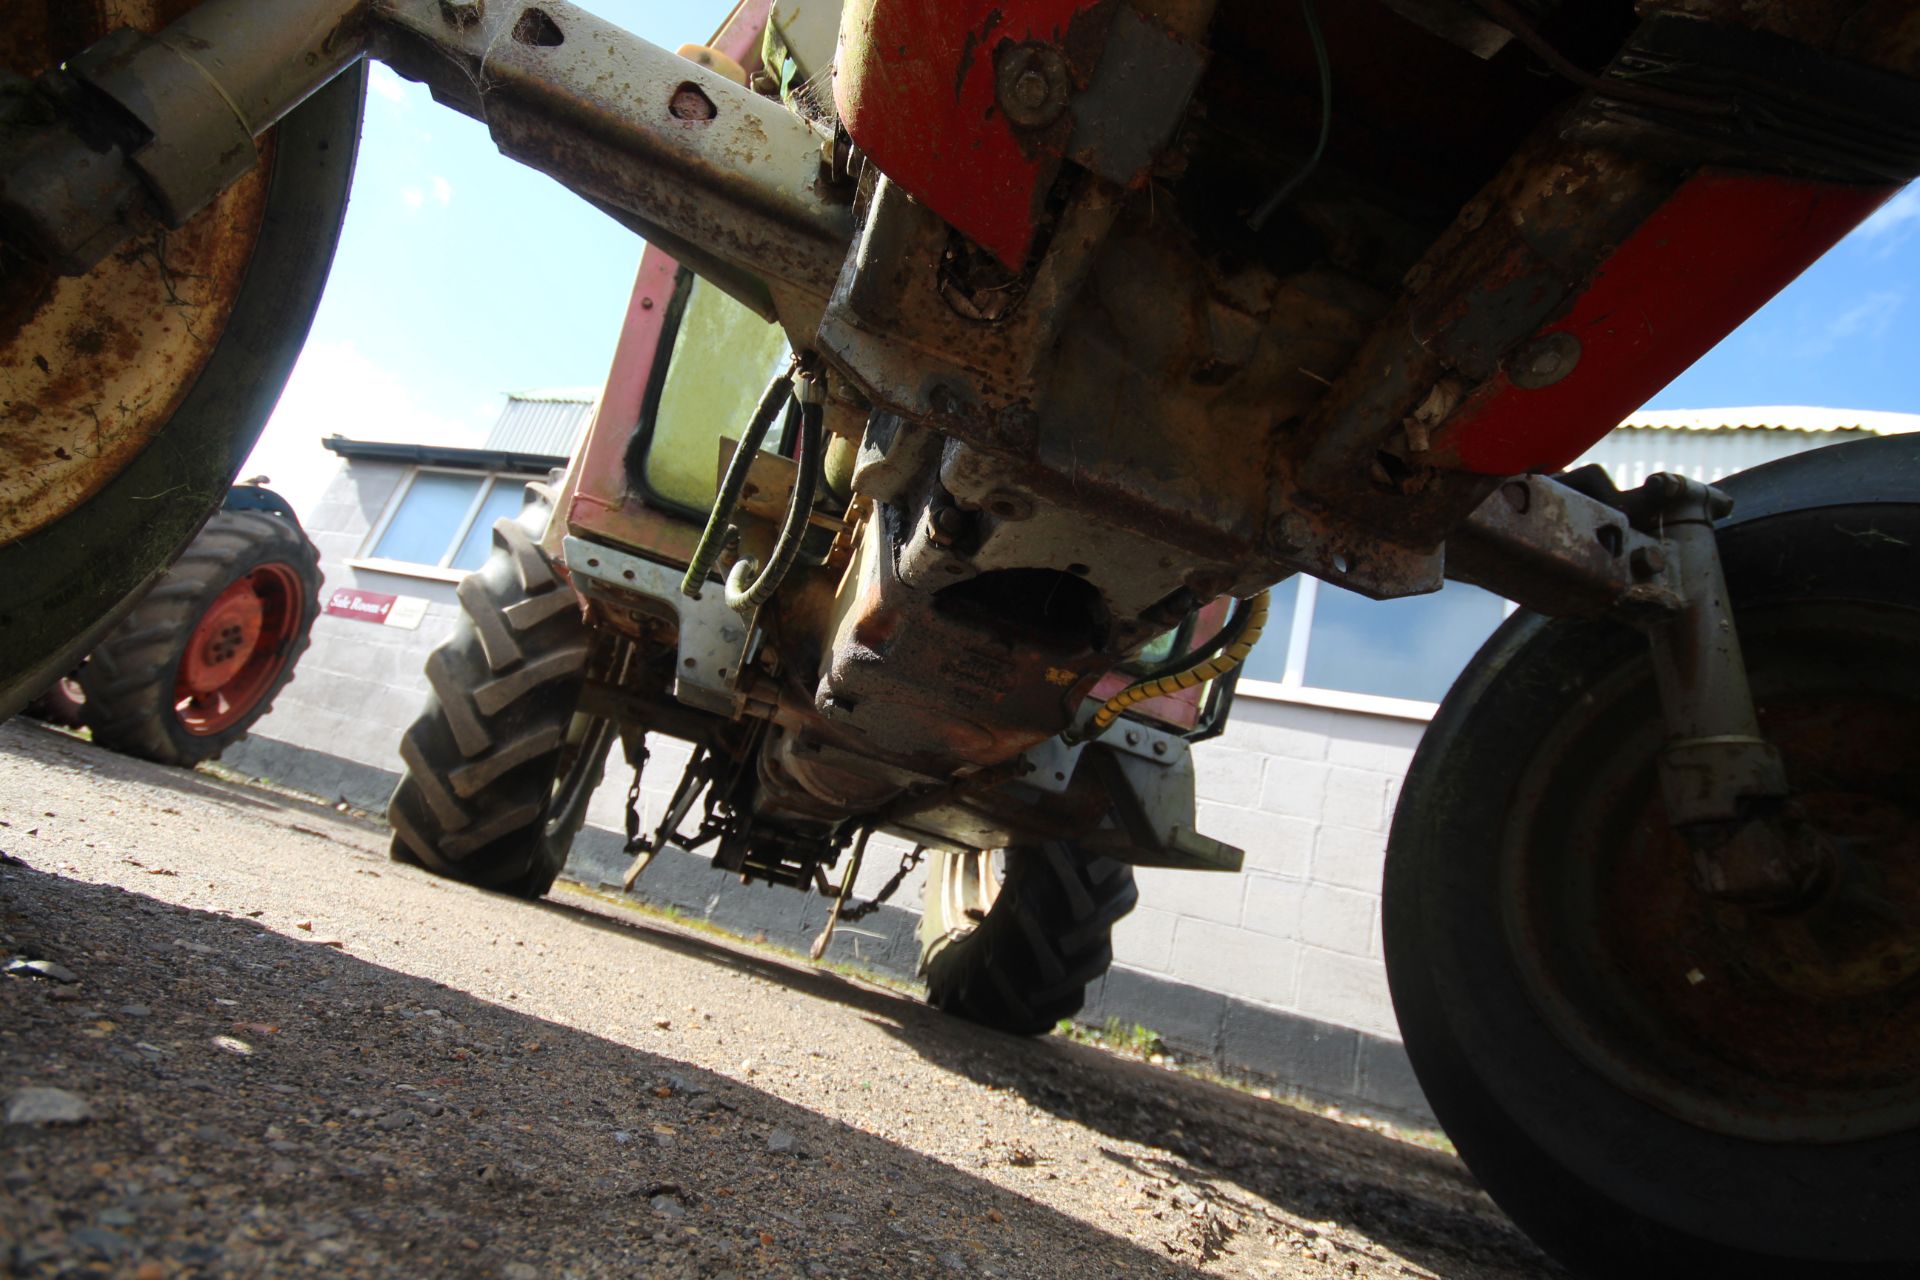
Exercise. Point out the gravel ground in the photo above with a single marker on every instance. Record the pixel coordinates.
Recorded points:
(295, 1057)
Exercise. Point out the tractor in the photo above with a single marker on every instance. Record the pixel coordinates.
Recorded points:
(191, 667)
(989, 363)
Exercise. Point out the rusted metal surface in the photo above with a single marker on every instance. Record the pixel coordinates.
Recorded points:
(917, 87)
(91, 368)
(1560, 552)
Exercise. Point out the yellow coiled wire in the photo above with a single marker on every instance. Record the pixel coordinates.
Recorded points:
(1187, 677)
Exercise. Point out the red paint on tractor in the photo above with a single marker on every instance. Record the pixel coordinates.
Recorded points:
(601, 476)
(915, 89)
(1706, 260)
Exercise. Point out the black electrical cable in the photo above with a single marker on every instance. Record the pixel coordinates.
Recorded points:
(749, 586)
(1235, 627)
(713, 538)
(1509, 17)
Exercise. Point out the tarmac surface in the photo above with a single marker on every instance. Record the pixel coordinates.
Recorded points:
(236, 1041)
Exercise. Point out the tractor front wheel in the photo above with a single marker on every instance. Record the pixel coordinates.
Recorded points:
(1011, 938)
(1652, 1081)
(501, 763)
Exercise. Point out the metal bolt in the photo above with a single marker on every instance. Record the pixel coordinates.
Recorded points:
(1518, 495)
(1647, 562)
(1133, 737)
(1543, 363)
(1160, 747)
(1032, 84)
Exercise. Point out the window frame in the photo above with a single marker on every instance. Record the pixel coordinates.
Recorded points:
(640, 444)
(1293, 687)
(443, 569)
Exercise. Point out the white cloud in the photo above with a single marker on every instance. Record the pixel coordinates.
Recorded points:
(442, 190)
(1891, 224)
(335, 389)
(1894, 216)
(413, 197)
(1866, 321)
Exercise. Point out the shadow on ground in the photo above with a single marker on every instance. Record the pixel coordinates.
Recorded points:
(359, 1119)
(1421, 1203)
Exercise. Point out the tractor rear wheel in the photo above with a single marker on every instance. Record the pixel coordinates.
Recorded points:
(1651, 1081)
(202, 656)
(501, 763)
(1011, 938)
(137, 390)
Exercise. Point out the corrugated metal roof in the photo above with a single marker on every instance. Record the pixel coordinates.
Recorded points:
(548, 422)
(1777, 417)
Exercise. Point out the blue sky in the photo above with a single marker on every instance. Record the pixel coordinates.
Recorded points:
(1846, 333)
(462, 275)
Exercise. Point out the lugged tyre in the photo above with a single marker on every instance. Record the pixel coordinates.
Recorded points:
(1651, 1082)
(1011, 938)
(499, 765)
(190, 669)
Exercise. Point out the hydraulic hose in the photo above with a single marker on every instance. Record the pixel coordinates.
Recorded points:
(744, 595)
(713, 538)
(1198, 671)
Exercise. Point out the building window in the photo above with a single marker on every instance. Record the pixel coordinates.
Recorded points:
(445, 518)
(1323, 639)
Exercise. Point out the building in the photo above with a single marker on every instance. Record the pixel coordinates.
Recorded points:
(1276, 972)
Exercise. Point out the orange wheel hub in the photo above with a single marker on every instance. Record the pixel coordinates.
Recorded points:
(238, 648)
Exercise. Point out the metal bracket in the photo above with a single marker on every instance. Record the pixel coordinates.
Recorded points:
(1651, 558)
(1153, 814)
(1561, 552)
(712, 637)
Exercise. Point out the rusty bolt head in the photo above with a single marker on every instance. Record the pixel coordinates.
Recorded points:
(1032, 84)
(1647, 562)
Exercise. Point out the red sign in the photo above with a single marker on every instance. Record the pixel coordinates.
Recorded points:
(367, 606)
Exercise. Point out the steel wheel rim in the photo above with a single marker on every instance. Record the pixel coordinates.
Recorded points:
(970, 883)
(575, 779)
(238, 648)
(1770, 1030)
(106, 358)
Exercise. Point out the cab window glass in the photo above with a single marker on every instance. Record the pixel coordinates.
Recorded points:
(723, 356)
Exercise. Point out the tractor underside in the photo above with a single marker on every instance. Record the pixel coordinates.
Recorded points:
(1158, 340)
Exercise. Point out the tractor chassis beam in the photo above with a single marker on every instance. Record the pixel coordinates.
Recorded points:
(154, 127)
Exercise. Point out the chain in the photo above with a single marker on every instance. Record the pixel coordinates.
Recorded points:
(861, 910)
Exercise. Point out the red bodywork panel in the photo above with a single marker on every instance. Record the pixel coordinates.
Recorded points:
(915, 89)
(601, 507)
(1706, 260)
